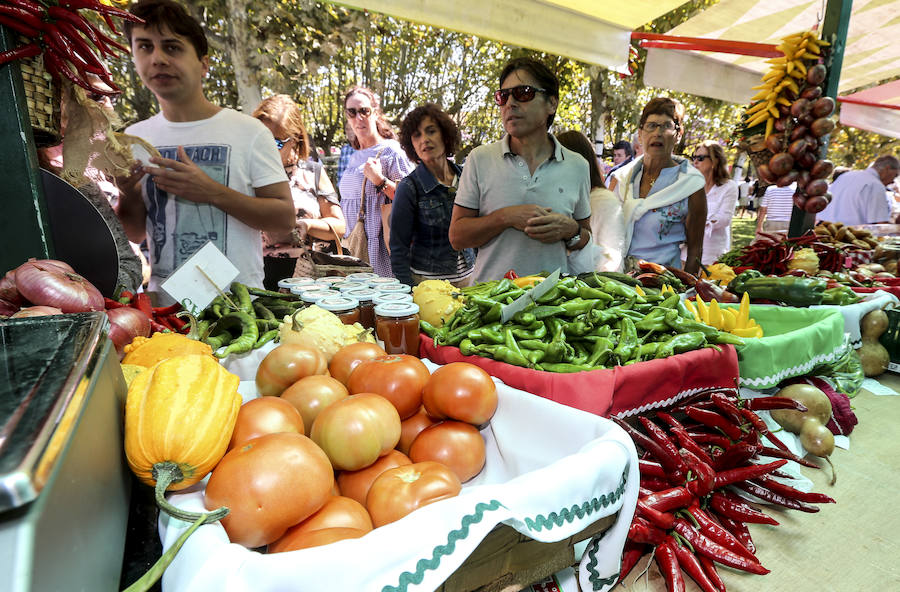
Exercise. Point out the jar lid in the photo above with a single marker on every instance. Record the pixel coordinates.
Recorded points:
(362, 275)
(300, 288)
(338, 303)
(331, 279)
(397, 309)
(347, 286)
(399, 288)
(381, 298)
(290, 282)
(316, 293)
(378, 282)
(362, 294)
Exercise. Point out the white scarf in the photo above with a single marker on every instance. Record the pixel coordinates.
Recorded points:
(687, 181)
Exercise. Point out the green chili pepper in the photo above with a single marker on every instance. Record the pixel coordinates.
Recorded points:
(467, 348)
(493, 313)
(508, 296)
(568, 290)
(266, 324)
(533, 356)
(265, 338)
(524, 318)
(589, 293)
(536, 331)
(648, 350)
(218, 340)
(248, 337)
(727, 338)
(671, 301)
(577, 306)
(242, 295)
(510, 341)
(654, 321)
(681, 343)
(504, 354)
(617, 288)
(502, 286)
(544, 312)
(262, 312)
(271, 294)
(458, 334)
(427, 328)
(579, 326)
(683, 325)
(551, 295)
(628, 341)
(565, 368)
(489, 333)
(600, 352)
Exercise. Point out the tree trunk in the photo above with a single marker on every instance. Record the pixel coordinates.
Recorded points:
(598, 108)
(239, 47)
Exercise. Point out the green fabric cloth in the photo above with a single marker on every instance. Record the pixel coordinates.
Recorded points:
(796, 340)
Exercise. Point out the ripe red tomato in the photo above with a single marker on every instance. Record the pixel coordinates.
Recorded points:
(338, 514)
(356, 484)
(399, 378)
(266, 415)
(410, 428)
(399, 491)
(357, 430)
(350, 356)
(461, 391)
(285, 365)
(270, 484)
(457, 444)
(312, 394)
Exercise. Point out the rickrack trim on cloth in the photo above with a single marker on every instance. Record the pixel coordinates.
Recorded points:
(538, 523)
(799, 370)
(672, 400)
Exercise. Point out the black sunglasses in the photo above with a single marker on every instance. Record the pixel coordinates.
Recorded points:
(522, 93)
(699, 157)
(364, 111)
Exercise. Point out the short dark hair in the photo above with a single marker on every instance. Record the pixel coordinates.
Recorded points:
(578, 142)
(624, 145)
(412, 121)
(540, 72)
(160, 13)
(664, 106)
(886, 161)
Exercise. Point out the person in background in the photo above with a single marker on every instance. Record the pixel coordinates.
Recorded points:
(318, 211)
(859, 197)
(373, 171)
(744, 189)
(220, 178)
(623, 153)
(346, 151)
(423, 203)
(523, 201)
(721, 196)
(607, 223)
(662, 195)
(775, 209)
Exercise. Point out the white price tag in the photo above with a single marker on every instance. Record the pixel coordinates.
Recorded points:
(199, 280)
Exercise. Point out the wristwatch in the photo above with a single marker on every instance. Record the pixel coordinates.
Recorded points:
(574, 240)
(382, 185)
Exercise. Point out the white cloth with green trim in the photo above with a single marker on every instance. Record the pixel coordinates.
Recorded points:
(551, 471)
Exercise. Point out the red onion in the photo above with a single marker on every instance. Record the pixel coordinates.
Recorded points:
(126, 323)
(7, 308)
(8, 290)
(47, 284)
(36, 311)
(61, 264)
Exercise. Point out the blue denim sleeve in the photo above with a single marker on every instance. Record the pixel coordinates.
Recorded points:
(403, 221)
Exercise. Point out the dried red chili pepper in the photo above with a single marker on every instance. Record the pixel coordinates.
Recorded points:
(641, 531)
(669, 499)
(654, 449)
(663, 520)
(711, 439)
(665, 443)
(791, 492)
(704, 475)
(732, 507)
(668, 566)
(631, 554)
(739, 530)
(775, 498)
(689, 563)
(768, 403)
(25, 16)
(778, 453)
(25, 51)
(714, 420)
(709, 568)
(727, 407)
(729, 476)
(715, 551)
(736, 455)
(716, 532)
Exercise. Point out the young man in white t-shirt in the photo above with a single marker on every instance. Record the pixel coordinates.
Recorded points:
(220, 178)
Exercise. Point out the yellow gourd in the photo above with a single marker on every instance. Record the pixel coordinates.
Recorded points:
(179, 416)
(437, 300)
(147, 351)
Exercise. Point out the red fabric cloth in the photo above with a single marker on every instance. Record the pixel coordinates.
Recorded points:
(622, 390)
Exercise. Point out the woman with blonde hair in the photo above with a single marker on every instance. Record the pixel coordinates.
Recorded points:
(318, 210)
(721, 197)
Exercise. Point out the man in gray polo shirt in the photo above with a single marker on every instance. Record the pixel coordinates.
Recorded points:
(523, 200)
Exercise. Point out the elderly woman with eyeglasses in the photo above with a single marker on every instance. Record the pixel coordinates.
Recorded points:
(318, 210)
(721, 197)
(372, 172)
(662, 194)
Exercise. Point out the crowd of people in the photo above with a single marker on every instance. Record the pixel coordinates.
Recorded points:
(530, 201)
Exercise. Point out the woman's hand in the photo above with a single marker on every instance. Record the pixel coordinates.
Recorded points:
(373, 172)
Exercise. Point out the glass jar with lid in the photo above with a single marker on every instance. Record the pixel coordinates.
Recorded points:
(397, 288)
(382, 298)
(365, 297)
(287, 284)
(378, 282)
(348, 285)
(330, 279)
(315, 293)
(397, 326)
(362, 276)
(346, 308)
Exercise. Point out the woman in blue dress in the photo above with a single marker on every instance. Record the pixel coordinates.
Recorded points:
(662, 195)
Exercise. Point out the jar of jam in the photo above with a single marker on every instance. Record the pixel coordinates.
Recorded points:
(313, 294)
(379, 282)
(362, 276)
(365, 297)
(285, 285)
(382, 298)
(397, 288)
(346, 308)
(329, 280)
(348, 285)
(397, 326)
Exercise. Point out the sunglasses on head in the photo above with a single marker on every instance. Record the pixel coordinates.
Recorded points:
(522, 93)
(699, 157)
(364, 111)
(281, 143)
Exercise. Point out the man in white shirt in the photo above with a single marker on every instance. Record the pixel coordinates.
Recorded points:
(858, 197)
(220, 178)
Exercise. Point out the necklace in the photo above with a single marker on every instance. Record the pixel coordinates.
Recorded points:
(652, 179)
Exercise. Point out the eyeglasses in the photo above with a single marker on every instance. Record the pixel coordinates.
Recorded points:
(652, 126)
(364, 111)
(522, 93)
(281, 143)
(699, 157)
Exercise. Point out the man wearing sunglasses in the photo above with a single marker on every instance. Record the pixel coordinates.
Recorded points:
(219, 179)
(523, 200)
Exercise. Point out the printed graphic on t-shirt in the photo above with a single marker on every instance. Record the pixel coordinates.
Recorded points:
(192, 224)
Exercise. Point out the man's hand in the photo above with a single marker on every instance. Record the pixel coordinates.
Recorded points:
(183, 178)
(129, 184)
(551, 228)
(518, 216)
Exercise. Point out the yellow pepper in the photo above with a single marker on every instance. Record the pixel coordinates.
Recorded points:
(715, 314)
(527, 281)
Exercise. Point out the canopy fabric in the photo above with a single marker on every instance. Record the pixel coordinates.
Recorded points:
(871, 55)
(876, 109)
(584, 30)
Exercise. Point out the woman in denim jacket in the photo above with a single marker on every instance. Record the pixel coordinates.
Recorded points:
(420, 220)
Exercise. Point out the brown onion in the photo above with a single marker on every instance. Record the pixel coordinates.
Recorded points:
(48, 285)
(823, 107)
(816, 75)
(812, 93)
(821, 169)
(822, 126)
(765, 174)
(815, 204)
(125, 324)
(36, 311)
(775, 143)
(798, 132)
(799, 200)
(817, 187)
(807, 160)
(800, 107)
(780, 164)
(787, 179)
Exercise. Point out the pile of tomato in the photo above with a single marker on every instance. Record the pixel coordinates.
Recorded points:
(331, 450)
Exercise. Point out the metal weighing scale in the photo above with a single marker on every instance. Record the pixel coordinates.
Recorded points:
(64, 483)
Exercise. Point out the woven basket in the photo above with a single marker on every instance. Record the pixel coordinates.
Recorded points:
(42, 97)
(755, 147)
(308, 267)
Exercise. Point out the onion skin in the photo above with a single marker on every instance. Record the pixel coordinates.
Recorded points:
(7, 308)
(47, 284)
(8, 290)
(36, 311)
(125, 324)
